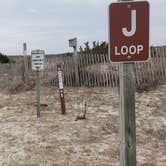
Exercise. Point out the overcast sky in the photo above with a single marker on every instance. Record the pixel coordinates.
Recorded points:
(48, 24)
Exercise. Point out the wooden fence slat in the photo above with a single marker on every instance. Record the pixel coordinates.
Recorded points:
(153, 64)
(164, 61)
(88, 72)
(83, 69)
(99, 76)
(80, 69)
(162, 67)
(92, 72)
(94, 69)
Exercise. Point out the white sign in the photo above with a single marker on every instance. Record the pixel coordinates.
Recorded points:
(37, 60)
(60, 79)
(73, 42)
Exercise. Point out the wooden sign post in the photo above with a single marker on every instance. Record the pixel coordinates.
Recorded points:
(127, 115)
(73, 43)
(37, 58)
(129, 42)
(38, 92)
(61, 89)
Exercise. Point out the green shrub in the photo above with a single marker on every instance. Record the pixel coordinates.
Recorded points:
(4, 58)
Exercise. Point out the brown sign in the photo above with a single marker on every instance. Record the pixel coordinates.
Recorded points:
(129, 31)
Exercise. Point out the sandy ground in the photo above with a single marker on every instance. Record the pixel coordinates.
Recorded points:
(59, 140)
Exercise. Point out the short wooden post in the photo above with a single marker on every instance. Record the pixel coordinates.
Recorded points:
(61, 89)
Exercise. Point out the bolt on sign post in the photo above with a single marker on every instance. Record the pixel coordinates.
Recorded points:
(73, 43)
(37, 58)
(128, 43)
(61, 89)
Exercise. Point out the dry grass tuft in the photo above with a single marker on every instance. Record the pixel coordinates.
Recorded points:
(17, 86)
(144, 87)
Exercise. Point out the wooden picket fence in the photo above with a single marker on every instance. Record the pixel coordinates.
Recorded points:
(93, 70)
(96, 70)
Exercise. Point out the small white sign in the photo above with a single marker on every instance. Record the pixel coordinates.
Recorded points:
(73, 42)
(37, 60)
(60, 79)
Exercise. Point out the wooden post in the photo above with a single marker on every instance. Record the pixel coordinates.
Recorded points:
(127, 114)
(37, 57)
(73, 43)
(76, 66)
(61, 89)
(25, 62)
(38, 93)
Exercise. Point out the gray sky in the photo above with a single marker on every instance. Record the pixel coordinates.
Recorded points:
(48, 24)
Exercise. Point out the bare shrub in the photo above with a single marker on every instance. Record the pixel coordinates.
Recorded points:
(17, 85)
(84, 110)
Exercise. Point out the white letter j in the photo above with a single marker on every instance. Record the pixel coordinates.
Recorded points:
(133, 25)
